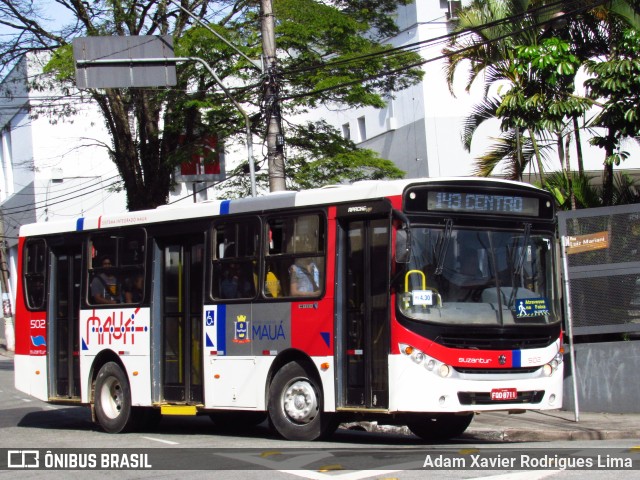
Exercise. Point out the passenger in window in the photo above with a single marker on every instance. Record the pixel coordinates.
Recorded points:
(104, 286)
(272, 285)
(134, 289)
(234, 284)
(304, 278)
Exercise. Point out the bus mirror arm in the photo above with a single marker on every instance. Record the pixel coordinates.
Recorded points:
(403, 238)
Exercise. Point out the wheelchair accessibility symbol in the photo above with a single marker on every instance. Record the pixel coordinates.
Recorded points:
(210, 318)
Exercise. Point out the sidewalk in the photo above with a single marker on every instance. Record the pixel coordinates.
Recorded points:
(532, 426)
(550, 425)
(537, 426)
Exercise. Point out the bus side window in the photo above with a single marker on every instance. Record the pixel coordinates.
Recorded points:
(117, 267)
(294, 256)
(35, 273)
(234, 260)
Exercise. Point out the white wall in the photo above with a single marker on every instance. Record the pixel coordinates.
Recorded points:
(432, 106)
(53, 167)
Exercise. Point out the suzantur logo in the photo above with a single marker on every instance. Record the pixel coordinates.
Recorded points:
(474, 360)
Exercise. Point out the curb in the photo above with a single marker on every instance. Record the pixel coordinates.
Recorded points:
(511, 434)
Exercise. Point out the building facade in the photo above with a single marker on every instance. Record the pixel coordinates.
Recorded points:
(421, 127)
(54, 158)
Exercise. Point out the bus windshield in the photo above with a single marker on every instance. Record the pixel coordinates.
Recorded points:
(479, 277)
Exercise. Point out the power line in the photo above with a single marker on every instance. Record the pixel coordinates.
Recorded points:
(443, 55)
(48, 202)
(55, 203)
(413, 47)
(443, 39)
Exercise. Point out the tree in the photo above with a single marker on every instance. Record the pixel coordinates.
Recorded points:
(615, 84)
(589, 194)
(328, 52)
(497, 39)
(541, 95)
(536, 51)
(324, 158)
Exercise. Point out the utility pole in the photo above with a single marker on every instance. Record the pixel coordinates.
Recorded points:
(275, 138)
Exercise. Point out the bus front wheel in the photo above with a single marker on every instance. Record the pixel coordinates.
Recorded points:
(443, 426)
(113, 399)
(296, 405)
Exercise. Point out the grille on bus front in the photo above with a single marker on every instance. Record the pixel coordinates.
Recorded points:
(499, 371)
(493, 343)
(484, 398)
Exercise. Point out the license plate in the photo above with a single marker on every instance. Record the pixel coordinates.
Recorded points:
(504, 394)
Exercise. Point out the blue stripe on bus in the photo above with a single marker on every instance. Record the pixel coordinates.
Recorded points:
(221, 328)
(224, 207)
(80, 224)
(516, 361)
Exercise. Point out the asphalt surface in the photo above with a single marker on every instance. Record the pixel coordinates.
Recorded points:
(531, 426)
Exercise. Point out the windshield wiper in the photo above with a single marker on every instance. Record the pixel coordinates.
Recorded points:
(442, 246)
(519, 263)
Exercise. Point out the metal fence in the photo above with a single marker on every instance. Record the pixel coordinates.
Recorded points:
(603, 262)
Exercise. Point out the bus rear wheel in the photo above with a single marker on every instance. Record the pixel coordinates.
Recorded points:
(113, 399)
(295, 406)
(443, 426)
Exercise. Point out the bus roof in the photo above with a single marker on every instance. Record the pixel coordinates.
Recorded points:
(366, 189)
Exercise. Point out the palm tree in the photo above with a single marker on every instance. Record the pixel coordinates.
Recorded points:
(487, 40)
(589, 194)
(514, 52)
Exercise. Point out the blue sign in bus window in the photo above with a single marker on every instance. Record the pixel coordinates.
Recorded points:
(531, 307)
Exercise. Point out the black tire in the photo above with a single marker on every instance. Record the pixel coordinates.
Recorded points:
(296, 408)
(237, 420)
(113, 399)
(442, 426)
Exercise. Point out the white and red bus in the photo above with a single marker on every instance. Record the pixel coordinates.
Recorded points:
(415, 302)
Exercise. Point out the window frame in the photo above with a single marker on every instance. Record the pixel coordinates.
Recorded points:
(124, 269)
(250, 263)
(276, 259)
(27, 274)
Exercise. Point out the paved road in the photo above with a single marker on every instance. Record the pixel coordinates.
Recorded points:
(30, 429)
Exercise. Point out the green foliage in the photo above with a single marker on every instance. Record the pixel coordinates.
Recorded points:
(327, 52)
(324, 158)
(541, 95)
(346, 167)
(346, 61)
(537, 58)
(62, 64)
(614, 83)
(561, 184)
(588, 193)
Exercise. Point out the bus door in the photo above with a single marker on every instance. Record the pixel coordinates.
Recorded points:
(64, 324)
(363, 323)
(182, 286)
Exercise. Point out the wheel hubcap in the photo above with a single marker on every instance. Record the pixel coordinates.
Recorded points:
(111, 398)
(300, 402)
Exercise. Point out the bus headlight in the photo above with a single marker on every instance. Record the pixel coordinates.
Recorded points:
(444, 371)
(430, 364)
(553, 365)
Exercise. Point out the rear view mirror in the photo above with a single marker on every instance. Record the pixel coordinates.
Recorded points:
(403, 238)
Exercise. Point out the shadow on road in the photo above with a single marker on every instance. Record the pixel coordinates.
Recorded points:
(72, 418)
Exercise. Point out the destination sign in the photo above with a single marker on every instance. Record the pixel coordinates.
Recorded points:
(483, 203)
